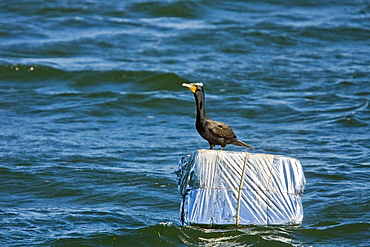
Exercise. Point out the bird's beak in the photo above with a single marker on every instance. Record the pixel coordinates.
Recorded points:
(191, 86)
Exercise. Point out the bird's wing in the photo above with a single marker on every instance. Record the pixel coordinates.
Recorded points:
(220, 129)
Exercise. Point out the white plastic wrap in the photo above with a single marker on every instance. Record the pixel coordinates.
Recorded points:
(240, 188)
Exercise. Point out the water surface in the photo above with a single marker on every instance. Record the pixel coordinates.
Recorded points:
(94, 118)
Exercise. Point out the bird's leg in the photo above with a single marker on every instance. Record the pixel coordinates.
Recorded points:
(211, 146)
(221, 147)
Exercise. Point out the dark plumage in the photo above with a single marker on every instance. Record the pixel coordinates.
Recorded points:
(215, 132)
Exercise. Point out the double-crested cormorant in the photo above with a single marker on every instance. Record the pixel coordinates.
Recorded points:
(215, 132)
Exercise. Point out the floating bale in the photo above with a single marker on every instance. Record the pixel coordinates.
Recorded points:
(240, 188)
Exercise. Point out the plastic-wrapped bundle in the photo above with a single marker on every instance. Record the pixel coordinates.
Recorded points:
(240, 188)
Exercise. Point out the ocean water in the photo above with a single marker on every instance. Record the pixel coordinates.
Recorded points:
(94, 119)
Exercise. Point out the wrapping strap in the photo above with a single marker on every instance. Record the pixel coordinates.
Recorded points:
(240, 188)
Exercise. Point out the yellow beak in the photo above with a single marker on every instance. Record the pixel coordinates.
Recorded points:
(191, 86)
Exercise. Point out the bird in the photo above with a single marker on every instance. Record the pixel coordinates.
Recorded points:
(215, 132)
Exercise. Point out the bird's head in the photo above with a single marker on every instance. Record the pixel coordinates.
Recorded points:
(194, 86)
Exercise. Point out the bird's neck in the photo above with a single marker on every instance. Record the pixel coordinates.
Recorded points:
(201, 112)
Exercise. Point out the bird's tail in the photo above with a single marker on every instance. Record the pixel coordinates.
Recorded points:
(240, 143)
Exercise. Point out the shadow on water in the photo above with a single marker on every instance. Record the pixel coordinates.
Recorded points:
(168, 234)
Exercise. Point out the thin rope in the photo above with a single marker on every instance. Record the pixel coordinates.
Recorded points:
(240, 189)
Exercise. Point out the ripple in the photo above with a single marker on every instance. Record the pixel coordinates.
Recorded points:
(186, 9)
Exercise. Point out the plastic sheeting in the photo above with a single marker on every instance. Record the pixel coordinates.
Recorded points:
(240, 188)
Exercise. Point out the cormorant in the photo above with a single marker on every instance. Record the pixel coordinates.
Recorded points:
(215, 132)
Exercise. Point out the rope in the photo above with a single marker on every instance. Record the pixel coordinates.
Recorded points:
(240, 189)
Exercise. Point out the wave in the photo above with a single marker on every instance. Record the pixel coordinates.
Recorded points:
(136, 80)
(168, 234)
(185, 9)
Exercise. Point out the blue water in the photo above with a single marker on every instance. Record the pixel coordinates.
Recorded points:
(94, 119)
